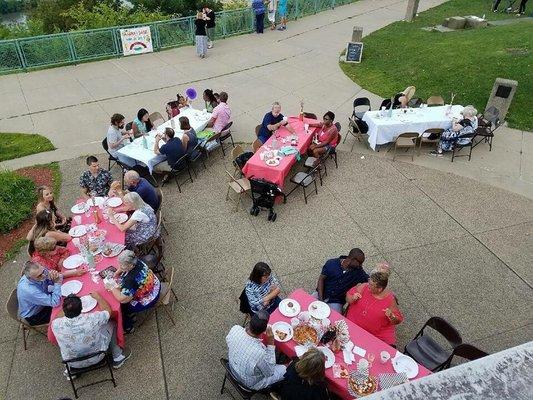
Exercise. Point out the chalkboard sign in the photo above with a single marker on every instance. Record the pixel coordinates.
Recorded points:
(354, 52)
(503, 91)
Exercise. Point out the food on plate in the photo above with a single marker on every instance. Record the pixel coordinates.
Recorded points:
(280, 334)
(368, 386)
(344, 372)
(108, 251)
(314, 307)
(304, 334)
(290, 304)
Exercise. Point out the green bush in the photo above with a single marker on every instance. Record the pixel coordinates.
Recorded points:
(17, 199)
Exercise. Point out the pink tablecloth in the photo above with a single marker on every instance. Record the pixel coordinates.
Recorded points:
(113, 235)
(358, 336)
(256, 168)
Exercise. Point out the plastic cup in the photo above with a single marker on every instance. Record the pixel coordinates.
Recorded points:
(384, 356)
(77, 219)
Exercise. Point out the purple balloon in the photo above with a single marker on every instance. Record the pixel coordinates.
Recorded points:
(191, 93)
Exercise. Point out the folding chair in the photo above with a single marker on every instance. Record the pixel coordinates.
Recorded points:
(73, 372)
(257, 129)
(353, 129)
(240, 186)
(405, 140)
(310, 115)
(225, 135)
(214, 138)
(468, 352)
(166, 294)
(433, 138)
(12, 306)
(488, 123)
(243, 391)
(244, 307)
(181, 165)
(156, 119)
(110, 157)
(256, 145)
(311, 162)
(435, 101)
(457, 147)
(360, 102)
(195, 156)
(304, 180)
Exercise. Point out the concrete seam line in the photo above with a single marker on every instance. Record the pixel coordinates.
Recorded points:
(165, 383)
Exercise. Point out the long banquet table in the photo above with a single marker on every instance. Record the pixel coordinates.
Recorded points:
(198, 120)
(358, 336)
(257, 168)
(113, 235)
(382, 129)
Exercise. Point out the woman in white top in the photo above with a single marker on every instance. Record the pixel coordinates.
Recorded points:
(142, 225)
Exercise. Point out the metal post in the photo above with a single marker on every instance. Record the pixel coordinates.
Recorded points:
(156, 39)
(72, 49)
(21, 56)
(114, 31)
(191, 29)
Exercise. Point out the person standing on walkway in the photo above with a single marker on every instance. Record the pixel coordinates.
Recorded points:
(259, 10)
(201, 34)
(210, 25)
(282, 12)
(272, 14)
(522, 8)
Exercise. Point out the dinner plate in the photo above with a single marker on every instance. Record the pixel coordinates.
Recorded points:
(98, 201)
(73, 261)
(319, 310)
(71, 287)
(78, 208)
(289, 307)
(78, 231)
(330, 357)
(284, 327)
(272, 162)
(114, 202)
(121, 217)
(88, 302)
(403, 363)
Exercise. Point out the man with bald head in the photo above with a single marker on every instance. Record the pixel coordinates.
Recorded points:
(134, 183)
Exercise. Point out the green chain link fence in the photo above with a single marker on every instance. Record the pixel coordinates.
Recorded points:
(79, 46)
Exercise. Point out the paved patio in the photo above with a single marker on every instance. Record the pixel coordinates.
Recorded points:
(459, 248)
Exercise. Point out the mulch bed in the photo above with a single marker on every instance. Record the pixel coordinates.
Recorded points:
(41, 176)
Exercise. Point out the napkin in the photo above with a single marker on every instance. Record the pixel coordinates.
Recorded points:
(348, 356)
(359, 351)
(300, 350)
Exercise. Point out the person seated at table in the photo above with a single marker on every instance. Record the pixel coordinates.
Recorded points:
(139, 287)
(135, 183)
(141, 226)
(220, 117)
(51, 256)
(95, 181)
(44, 227)
(305, 378)
(401, 99)
(141, 124)
(252, 362)
(189, 140)
(327, 138)
(451, 136)
(38, 291)
(79, 334)
(173, 148)
(373, 307)
(117, 138)
(45, 201)
(338, 276)
(272, 121)
(182, 101)
(210, 100)
(262, 289)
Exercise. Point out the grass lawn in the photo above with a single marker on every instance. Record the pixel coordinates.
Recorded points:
(463, 62)
(15, 145)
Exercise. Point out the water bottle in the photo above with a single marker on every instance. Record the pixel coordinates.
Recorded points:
(145, 142)
(274, 144)
(390, 109)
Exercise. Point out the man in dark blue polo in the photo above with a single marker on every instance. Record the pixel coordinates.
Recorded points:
(173, 148)
(135, 183)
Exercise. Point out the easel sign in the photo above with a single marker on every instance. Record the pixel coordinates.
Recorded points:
(354, 52)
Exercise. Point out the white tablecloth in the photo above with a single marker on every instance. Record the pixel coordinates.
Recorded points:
(198, 120)
(383, 130)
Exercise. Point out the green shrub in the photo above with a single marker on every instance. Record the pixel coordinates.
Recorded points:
(17, 199)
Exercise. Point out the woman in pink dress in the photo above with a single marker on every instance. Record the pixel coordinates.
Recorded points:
(374, 308)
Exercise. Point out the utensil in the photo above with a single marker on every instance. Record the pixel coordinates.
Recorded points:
(319, 310)
(114, 201)
(403, 363)
(71, 287)
(289, 307)
(285, 328)
(88, 302)
(330, 357)
(77, 231)
(73, 261)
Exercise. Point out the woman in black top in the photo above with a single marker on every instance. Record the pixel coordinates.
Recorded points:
(305, 379)
(201, 34)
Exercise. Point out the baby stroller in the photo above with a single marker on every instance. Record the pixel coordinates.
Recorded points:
(264, 195)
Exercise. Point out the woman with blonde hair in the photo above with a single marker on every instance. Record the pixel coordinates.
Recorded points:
(305, 378)
(45, 201)
(44, 227)
(374, 307)
(142, 225)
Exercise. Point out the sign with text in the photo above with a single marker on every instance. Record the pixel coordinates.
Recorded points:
(136, 40)
(354, 52)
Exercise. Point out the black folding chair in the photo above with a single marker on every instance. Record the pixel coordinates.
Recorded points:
(73, 372)
(110, 157)
(426, 351)
(466, 351)
(360, 102)
(244, 307)
(488, 123)
(195, 156)
(181, 165)
(304, 180)
(243, 391)
(225, 135)
(457, 147)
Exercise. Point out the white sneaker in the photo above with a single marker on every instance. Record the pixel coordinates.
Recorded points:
(119, 362)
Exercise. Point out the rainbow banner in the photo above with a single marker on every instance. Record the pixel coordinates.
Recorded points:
(136, 40)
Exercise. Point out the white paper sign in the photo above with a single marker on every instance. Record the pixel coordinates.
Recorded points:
(136, 40)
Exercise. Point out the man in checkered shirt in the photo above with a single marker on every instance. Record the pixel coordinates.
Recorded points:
(253, 363)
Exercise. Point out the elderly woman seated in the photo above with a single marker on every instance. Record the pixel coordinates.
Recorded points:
(138, 290)
(262, 289)
(45, 227)
(373, 307)
(51, 256)
(141, 226)
(455, 135)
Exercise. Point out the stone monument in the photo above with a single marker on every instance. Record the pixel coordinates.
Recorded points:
(502, 95)
(357, 34)
(412, 9)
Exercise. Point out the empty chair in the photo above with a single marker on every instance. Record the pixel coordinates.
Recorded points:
(359, 105)
(73, 373)
(225, 134)
(310, 115)
(355, 131)
(256, 145)
(427, 351)
(240, 186)
(435, 101)
(156, 118)
(433, 137)
(243, 391)
(487, 125)
(304, 180)
(407, 141)
(468, 352)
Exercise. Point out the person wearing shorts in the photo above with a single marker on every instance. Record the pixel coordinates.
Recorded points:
(282, 11)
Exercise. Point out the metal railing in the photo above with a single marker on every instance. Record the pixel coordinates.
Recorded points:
(80, 46)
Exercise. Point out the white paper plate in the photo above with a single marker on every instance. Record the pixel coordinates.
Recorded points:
(88, 302)
(272, 162)
(97, 200)
(71, 287)
(78, 231)
(319, 310)
(114, 202)
(73, 261)
(121, 217)
(286, 309)
(330, 357)
(78, 208)
(284, 327)
(403, 363)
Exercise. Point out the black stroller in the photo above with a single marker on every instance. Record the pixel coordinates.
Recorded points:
(264, 195)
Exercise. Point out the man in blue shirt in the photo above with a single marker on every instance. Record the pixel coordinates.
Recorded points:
(173, 148)
(38, 291)
(338, 276)
(272, 121)
(135, 183)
